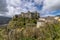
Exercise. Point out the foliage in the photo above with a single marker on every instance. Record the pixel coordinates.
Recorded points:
(20, 22)
(17, 30)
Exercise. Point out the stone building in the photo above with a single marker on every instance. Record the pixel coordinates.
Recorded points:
(30, 14)
(57, 18)
(41, 22)
(49, 19)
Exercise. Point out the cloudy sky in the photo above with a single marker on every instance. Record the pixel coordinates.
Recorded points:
(44, 7)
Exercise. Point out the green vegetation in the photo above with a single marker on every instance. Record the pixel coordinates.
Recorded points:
(17, 29)
(20, 22)
(51, 31)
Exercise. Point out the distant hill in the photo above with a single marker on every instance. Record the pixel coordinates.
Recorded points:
(4, 20)
(58, 15)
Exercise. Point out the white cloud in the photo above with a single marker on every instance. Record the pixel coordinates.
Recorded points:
(38, 1)
(51, 5)
(3, 7)
(17, 6)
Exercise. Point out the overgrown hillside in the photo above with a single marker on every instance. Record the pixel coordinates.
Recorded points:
(21, 28)
(21, 31)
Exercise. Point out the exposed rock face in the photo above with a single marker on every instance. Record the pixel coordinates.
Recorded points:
(30, 15)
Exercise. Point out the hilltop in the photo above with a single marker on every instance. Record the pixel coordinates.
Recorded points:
(30, 26)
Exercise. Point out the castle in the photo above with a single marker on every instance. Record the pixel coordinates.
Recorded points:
(41, 21)
(30, 14)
